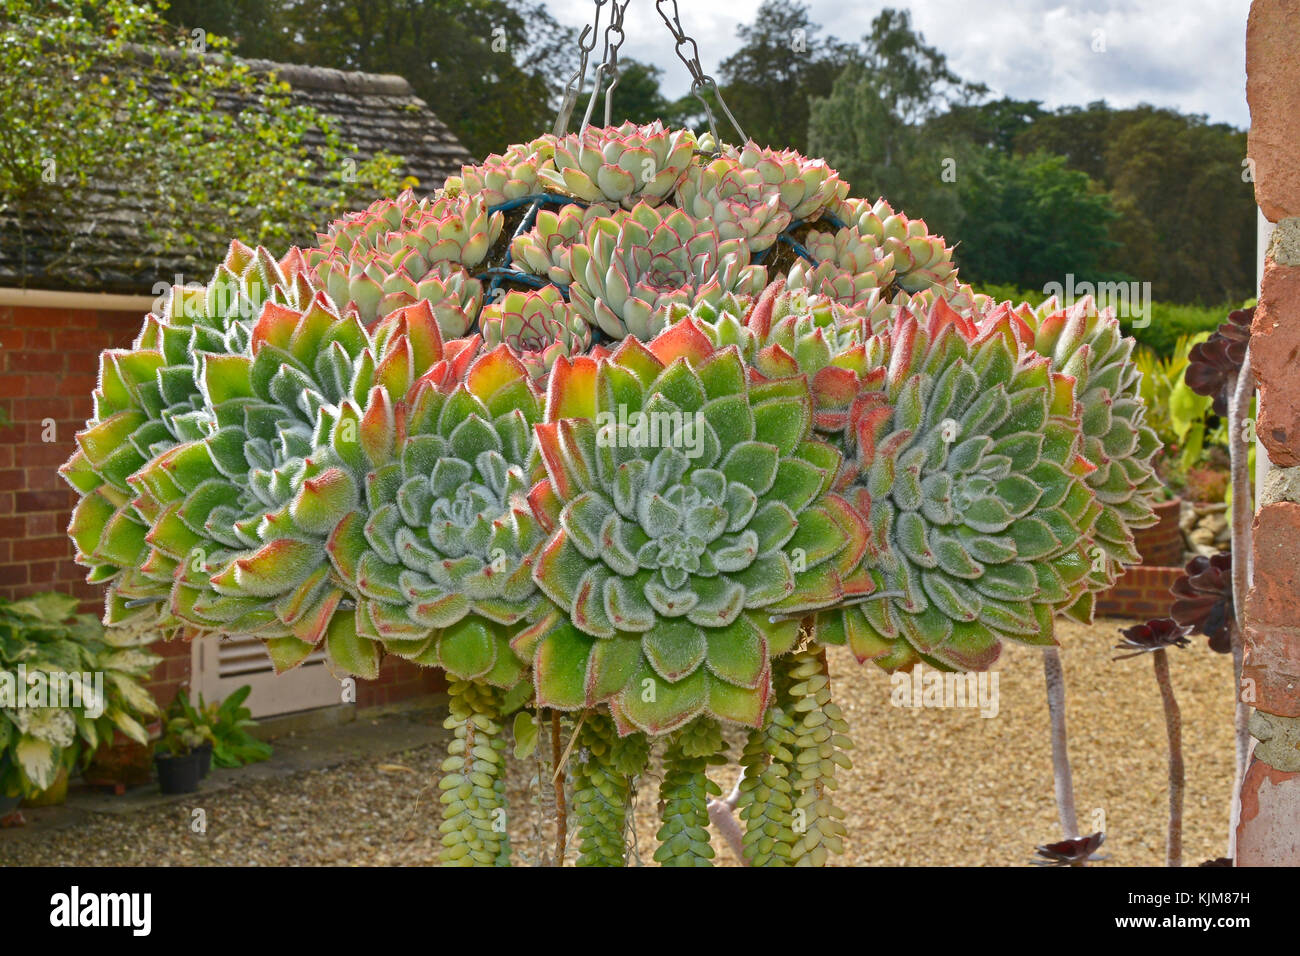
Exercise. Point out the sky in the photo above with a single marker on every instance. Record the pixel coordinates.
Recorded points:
(1186, 54)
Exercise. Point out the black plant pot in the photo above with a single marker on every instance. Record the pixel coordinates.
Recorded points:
(204, 753)
(178, 774)
(9, 804)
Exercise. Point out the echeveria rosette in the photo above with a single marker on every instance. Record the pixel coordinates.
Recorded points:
(688, 571)
(544, 250)
(537, 326)
(966, 466)
(439, 553)
(399, 251)
(807, 187)
(626, 272)
(149, 399)
(920, 259)
(505, 177)
(623, 165)
(739, 202)
(1089, 346)
(846, 267)
(244, 515)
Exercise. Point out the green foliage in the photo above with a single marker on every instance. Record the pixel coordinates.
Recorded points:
(223, 724)
(56, 646)
(97, 96)
(1028, 220)
(490, 69)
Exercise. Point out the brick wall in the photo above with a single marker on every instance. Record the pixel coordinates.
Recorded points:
(1142, 593)
(49, 363)
(49, 360)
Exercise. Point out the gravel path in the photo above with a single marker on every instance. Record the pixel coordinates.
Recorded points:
(929, 786)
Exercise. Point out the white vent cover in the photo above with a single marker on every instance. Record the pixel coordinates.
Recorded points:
(220, 666)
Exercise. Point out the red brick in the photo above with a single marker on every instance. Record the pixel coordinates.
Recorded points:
(31, 502)
(1275, 348)
(1272, 666)
(1272, 65)
(13, 574)
(1275, 598)
(44, 361)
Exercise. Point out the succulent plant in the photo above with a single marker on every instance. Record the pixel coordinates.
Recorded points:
(1072, 852)
(671, 552)
(508, 176)
(626, 272)
(399, 251)
(604, 776)
(684, 794)
(1212, 364)
(920, 259)
(808, 187)
(624, 165)
(149, 400)
(1090, 347)
(439, 549)
(474, 784)
(848, 267)
(1203, 599)
(738, 201)
(538, 327)
(1152, 636)
(966, 466)
(544, 250)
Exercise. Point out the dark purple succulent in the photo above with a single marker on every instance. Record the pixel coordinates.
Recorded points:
(1073, 852)
(1203, 595)
(1152, 636)
(1212, 364)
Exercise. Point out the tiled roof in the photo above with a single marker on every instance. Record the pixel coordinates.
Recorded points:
(110, 252)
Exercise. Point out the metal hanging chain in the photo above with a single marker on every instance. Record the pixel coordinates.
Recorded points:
(700, 81)
(608, 64)
(586, 43)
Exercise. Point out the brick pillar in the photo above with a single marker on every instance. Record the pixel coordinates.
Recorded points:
(1269, 831)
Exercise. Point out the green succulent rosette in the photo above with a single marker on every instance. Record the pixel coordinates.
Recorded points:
(627, 270)
(439, 552)
(680, 563)
(966, 466)
(1089, 346)
(150, 399)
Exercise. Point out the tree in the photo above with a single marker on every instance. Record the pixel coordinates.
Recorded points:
(781, 64)
(872, 126)
(103, 99)
(1186, 210)
(637, 98)
(492, 70)
(1030, 220)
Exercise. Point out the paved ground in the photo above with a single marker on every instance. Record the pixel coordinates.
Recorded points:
(929, 786)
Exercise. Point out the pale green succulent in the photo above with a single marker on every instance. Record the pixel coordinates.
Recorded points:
(537, 326)
(737, 201)
(625, 273)
(622, 165)
(544, 250)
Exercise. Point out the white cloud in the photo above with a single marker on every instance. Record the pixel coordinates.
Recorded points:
(1186, 54)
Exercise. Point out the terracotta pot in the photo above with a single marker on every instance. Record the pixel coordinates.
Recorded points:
(1161, 545)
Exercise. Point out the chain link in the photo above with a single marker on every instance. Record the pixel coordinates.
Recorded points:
(586, 43)
(608, 64)
(700, 81)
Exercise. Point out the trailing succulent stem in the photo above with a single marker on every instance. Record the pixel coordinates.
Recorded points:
(767, 792)
(820, 739)
(1174, 728)
(473, 784)
(603, 773)
(684, 794)
(1063, 778)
